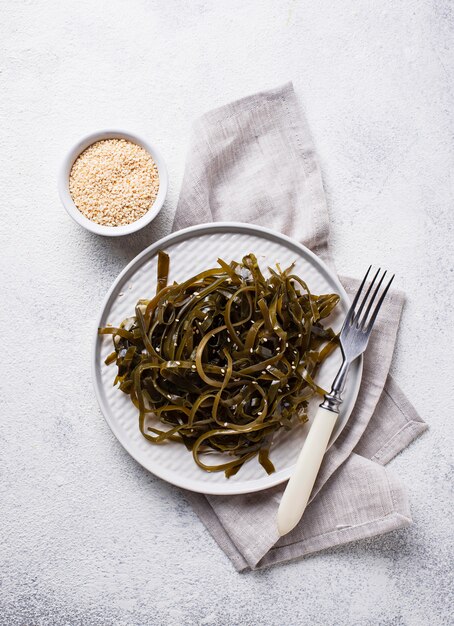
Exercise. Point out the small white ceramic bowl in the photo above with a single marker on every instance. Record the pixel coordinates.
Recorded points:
(99, 229)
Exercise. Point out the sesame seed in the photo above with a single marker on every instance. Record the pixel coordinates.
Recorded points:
(222, 370)
(226, 424)
(194, 367)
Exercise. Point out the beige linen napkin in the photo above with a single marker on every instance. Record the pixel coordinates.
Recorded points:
(254, 161)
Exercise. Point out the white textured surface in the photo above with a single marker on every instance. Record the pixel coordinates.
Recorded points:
(87, 536)
(190, 253)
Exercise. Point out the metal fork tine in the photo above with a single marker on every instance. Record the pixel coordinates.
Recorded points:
(364, 300)
(379, 303)
(351, 310)
(362, 322)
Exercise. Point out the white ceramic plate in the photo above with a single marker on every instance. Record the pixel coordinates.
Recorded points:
(192, 250)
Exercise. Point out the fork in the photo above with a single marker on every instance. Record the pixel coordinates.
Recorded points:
(354, 337)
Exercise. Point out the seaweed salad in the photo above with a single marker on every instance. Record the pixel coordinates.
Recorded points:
(224, 360)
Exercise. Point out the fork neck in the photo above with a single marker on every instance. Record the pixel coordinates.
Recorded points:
(341, 378)
(333, 399)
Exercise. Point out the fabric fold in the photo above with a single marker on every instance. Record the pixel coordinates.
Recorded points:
(254, 161)
(383, 440)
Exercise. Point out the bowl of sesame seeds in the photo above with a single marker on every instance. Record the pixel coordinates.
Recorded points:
(113, 183)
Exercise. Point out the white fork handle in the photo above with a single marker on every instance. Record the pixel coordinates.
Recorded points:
(299, 487)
